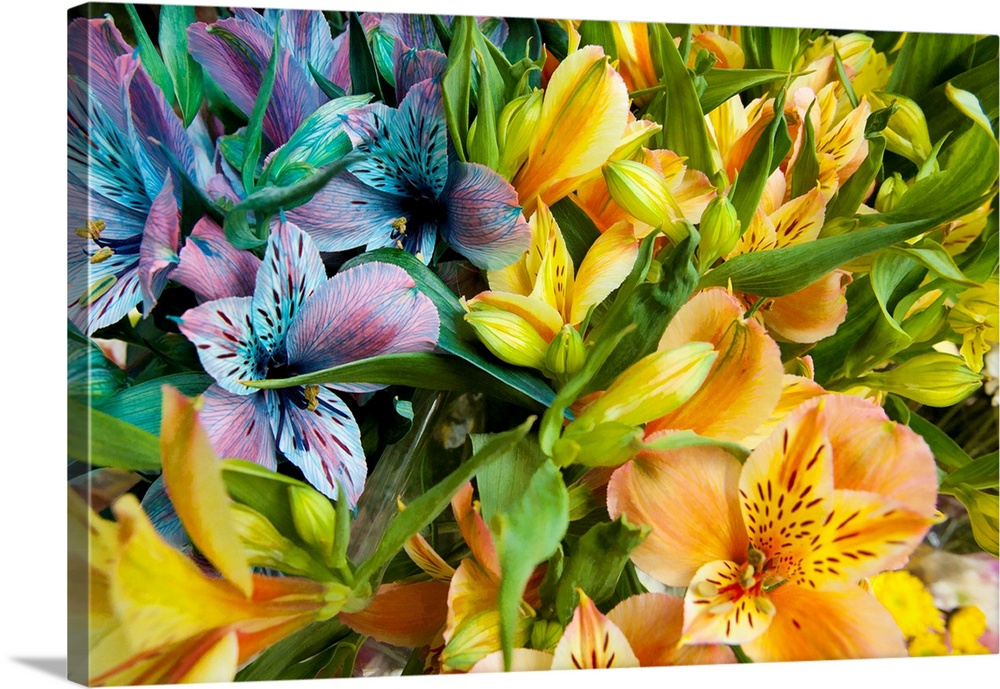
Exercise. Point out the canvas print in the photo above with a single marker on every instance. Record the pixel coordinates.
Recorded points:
(412, 344)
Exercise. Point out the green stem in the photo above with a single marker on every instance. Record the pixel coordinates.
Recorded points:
(741, 657)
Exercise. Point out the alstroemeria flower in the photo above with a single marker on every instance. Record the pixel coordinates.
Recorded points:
(772, 551)
(408, 191)
(124, 222)
(154, 616)
(297, 322)
(641, 631)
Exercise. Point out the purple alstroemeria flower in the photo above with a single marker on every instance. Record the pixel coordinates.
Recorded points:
(297, 321)
(409, 190)
(123, 215)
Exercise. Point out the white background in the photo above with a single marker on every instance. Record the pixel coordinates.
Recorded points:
(32, 266)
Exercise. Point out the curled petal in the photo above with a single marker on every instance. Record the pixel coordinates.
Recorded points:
(158, 251)
(592, 641)
(414, 66)
(474, 530)
(409, 615)
(810, 314)
(213, 268)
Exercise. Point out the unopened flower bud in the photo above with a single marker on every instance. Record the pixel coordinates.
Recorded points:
(266, 547)
(508, 336)
(566, 353)
(515, 131)
(545, 634)
(608, 444)
(935, 379)
(314, 517)
(890, 193)
(641, 192)
(720, 230)
(907, 133)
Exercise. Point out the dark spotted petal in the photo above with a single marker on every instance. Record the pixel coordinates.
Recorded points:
(158, 251)
(414, 66)
(362, 312)
(213, 268)
(324, 442)
(291, 271)
(221, 330)
(347, 213)
(484, 219)
(239, 426)
(236, 54)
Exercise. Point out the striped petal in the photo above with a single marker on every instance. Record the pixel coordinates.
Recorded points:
(292, 270)
(688, 498)
(222, 332)
(321, 437)
(542, 317)
(213, 268)
(93, 49)
(474, 530)
(365, 311)
(799, 220)
(554, 271)
(239, 426)
(413, 66)
(592, 641)
(811, 314)
(158, 251)
(606, 265)
(718, 610)
(830, 625)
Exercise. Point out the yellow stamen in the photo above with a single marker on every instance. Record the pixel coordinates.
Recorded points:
(92, 230)
(706, 589)
(765, 606)
(101, 255)
(399, 224)
(312, 397)
(746, 577)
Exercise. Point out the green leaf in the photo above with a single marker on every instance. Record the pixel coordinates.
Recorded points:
(342, 661)
(806, 170)
(424, 509)
(649, 305)
(527, 535)
(981, 81)
(984, 515)
(185, 70)
(723, 84)
(456, 336)
(141, 404)
(854, 191)
(577, 228)
(102, 440)
(946, 451)
(501, 483)
(981, 473)
(934, 256)
(764, 159)
(255, 127)
(597, 32)
(364, 73)
(927, 60)
(596, 563)
(684, 129)
(382, 45)
(456, 84)
(300, 646)
(524, 39)
(149, 58)
(330, 89)
(779, 272)
(90, 374)
(844, 80)
(771, 47)
(483, 147)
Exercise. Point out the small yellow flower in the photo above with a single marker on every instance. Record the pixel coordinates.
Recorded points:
(965, 627)
(909, 603)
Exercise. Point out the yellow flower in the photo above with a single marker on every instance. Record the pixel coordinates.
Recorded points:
(909, 603)
(976, 317)
(965, 626)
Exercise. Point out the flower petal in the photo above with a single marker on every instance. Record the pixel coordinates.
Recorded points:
(93, 49)
(158, 251)
(688, 497)
(473, 625)
(414, 66)
(521, 660)
(474, 530)
(542, 317)
(365, 311)
(606, 265)
(239, 426)
(652, 624)
(827, 625)
(292, 270)
(221, 331)
(592, 641)
(213, 268)
(193, 475)
(721, 616)
(812, 313)
(799, 220)
(325, 442)
(408, 615)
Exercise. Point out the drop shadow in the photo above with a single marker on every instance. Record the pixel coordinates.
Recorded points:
(50, 666)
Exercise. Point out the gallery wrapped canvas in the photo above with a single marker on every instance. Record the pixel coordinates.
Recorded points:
(419, 344)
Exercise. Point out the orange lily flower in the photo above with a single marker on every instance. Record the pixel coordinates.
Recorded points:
(156, 618)
(772, 551)
(641, 631)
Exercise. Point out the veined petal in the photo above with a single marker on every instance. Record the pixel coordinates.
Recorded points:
(292, 270)
(93, 49)
(213, 268)
(827, 625)
(193, 475)
(408, 615)
(365, 311)
(413, 66)
(718, 610)
(474, 530)
(846, 142)
(689, 499)
(812, 313)
(223, 334)
(321, 437)
(484, 219)
(759, 236)
(799, 220)
(306, 33)
(554, 273)
(584, 112)
(473, 622)
(426, 558)
(745, 379)
(239, 426)
(542, 317)
(158, 251)
(652, 623)
(347, 213)
(592, 641)
(606, 265)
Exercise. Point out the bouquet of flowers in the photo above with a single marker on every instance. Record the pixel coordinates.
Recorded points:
(429, 344)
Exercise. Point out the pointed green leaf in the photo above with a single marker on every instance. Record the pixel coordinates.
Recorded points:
(149, 58)
(501, 483)
(141, 405)
(102, 440)
(364, 73)
(723, 84)
(185, 70)
(456, 84)
(981, 473)
(255, 127)
(927, 60)
(764, 159)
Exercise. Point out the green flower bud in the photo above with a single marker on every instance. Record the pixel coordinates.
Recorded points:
(890, 193)
(608, 444)
(907, 132)
(545, 634)
(720, 230)
(266, 547)
(509, 336)
(641, 192)
(516, 130)
(314, 517)
(935, 379)
(566, 353)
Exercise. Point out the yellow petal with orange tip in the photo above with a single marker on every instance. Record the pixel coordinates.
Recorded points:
(726, 124)
(652, 623)
(513, 279)
(799, 220)
(592, 641)
(474, 530)
(728, 53)
(193, 477)
(584, 112)
(827, 625)
(688, 497)
(426, 558)
(218, 663)
(608, 262)
(541, 316)
(812, 313)
(846, 142)
(759, 236)
(634, 58)
(409, 614)
(745, 379)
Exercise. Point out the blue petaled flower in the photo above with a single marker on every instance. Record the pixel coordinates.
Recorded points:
(123, 219)
(408, 190)
(299, 322)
